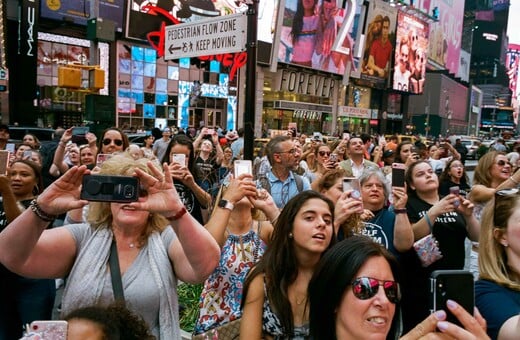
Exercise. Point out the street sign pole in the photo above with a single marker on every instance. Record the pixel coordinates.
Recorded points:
(250, 105)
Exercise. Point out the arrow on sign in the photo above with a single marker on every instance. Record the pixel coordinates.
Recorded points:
(171, 48)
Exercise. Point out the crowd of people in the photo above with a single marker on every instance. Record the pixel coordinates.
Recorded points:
(284, 252)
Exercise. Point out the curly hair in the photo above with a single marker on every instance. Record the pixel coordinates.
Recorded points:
(115, 321)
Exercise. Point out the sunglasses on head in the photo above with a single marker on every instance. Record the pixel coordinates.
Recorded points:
(117, 142)
(324, 153)
(501, 194)
(365, 288)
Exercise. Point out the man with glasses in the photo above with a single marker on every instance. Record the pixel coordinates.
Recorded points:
(281, 182)
(356, 162)
(161, 144)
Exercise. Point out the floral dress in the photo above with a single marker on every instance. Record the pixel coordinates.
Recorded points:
(222, 294)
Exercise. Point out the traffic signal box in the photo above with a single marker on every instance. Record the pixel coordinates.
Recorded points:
(69, 77)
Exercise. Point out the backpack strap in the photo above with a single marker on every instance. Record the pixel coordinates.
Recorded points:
(299, 182)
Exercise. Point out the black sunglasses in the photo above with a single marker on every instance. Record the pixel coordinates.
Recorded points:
(504, 193)
(117, 142)
(365, 288)
(324, 153)
(501, 162)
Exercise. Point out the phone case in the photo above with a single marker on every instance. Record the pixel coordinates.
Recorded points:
(456, 285)
(4, 161)
(398, 174)
(243, 167)
(179, 158)
(49, 329)
(101, 188)
(352, 183)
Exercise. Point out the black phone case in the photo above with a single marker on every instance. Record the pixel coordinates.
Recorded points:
(398, 177)
(456, 285)
(102, 188)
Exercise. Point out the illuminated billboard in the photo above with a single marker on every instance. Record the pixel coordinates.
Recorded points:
(411, 54)
(379, 40)
(308, 32)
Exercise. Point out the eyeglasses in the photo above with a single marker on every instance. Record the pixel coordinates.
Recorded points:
(292, 151)
(365, 288)
(457, 166)
(502, 163)
(117, 142)
(324, 153)
(501, 194)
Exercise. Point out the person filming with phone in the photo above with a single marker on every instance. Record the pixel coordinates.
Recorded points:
(132, 251)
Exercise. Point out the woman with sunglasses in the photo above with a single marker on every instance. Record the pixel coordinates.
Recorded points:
(113, 140)
(497, 292)
(275, 292)
(355, 294)
(155, 241)
(323, 162)
(454, 175)
(492, 173)
(449, 219)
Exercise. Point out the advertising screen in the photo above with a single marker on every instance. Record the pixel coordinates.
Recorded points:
(411, 54)
(308, 31)
(79, 11)
(379, 40)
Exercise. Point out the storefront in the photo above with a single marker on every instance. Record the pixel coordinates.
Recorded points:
(296, 96)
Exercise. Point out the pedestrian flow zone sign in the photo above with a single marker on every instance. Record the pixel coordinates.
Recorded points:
(218, 35)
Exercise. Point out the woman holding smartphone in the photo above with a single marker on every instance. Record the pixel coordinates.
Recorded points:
(22, 299)
(355, 294)
(449, 220)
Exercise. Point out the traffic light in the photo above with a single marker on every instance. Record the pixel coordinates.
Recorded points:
(69, 77)
(97, 79)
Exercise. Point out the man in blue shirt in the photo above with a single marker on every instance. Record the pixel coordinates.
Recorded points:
(238, 145)
(280, 181)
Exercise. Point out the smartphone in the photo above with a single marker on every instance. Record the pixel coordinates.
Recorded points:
(4, 161)
(242, 166)
(10, 147)
(210, 132)
(456, 285)
(398, 170)
(346, 135)
(80, 130)
(101, 158)
(333, 157)
(27, 154)
(103, 188)
(49, 329)
(456, 191)
(179, 158)
(352, 183)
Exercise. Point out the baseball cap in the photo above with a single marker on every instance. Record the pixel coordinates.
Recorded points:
(167, 130)
(388, 153)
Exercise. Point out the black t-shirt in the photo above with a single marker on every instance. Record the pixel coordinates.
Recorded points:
(206, 173)
(444, 187)
(190, 201)
(450, 231)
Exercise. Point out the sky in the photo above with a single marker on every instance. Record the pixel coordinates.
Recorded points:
(514, 17)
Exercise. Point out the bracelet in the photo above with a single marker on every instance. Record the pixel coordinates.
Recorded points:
(400, 211)
(178, 215)
(37, 210)
(514, 180)
(427, 218)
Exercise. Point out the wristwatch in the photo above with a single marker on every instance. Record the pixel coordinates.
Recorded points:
(226, 204)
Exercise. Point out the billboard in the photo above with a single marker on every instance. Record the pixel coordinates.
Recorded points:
(379, 40)
(512, 62)
(446, 34)
(411, 54)
(307, 33)
(79, 11)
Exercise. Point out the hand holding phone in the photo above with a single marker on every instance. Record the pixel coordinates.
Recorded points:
(398, 174)
(456, 285)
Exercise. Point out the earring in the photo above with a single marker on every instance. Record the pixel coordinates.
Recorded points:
(505, 245)
(290, 235)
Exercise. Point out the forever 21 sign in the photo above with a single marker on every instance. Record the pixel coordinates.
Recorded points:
(304, 83)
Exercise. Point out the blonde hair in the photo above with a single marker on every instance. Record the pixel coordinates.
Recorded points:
(100, 213)
(492, 260)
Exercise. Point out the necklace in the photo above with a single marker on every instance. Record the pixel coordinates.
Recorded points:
(301, 301)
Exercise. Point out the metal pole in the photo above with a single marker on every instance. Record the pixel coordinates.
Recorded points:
(249, 114)
(93, 49)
